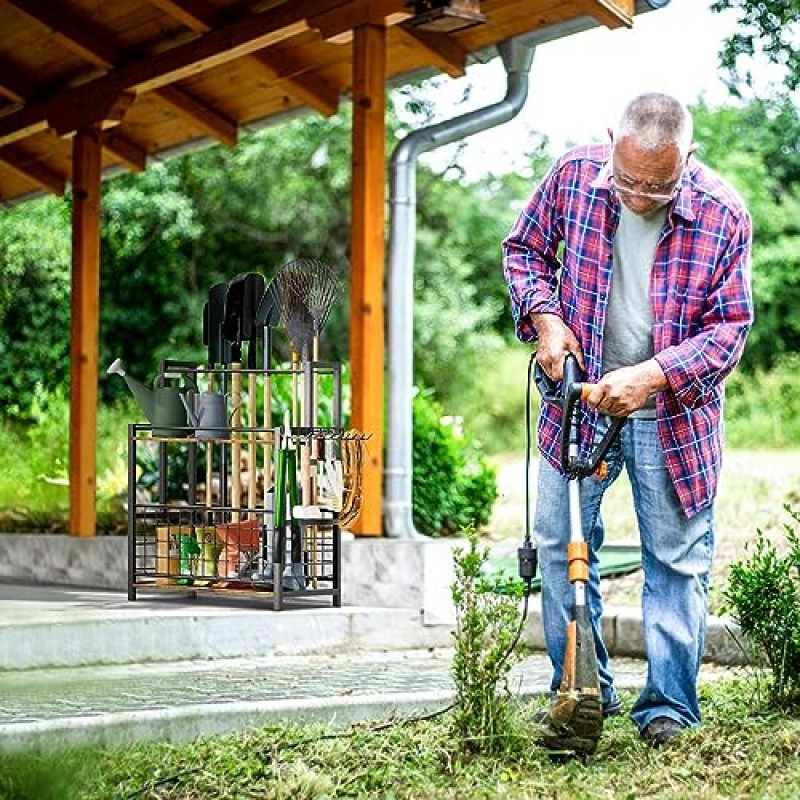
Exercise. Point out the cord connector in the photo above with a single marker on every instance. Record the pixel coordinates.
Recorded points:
(527, 558)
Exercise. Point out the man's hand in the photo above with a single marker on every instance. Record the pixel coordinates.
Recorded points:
(555, 341)
(623, 391)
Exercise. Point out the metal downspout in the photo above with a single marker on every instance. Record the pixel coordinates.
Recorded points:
(517, 55)
(517, 58)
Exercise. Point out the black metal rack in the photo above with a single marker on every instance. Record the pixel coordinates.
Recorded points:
(187, 537)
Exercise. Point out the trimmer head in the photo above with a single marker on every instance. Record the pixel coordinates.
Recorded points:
(575, 721)
(574, 724)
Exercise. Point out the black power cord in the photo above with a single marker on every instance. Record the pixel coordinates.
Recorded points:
(527, 559)
(526, 554)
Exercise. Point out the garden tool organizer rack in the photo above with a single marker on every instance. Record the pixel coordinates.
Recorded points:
(244, 509)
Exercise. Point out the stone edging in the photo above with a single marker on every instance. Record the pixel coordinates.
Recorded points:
(383, 573)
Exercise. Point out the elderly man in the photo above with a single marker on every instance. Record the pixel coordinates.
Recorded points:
(634, 256)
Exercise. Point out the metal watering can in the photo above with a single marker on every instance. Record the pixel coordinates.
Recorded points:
(208, 414)
(163, 404)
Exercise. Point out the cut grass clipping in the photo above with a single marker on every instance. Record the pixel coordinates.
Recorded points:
(739, 752)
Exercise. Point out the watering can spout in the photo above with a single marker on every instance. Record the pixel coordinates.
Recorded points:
(144, 395)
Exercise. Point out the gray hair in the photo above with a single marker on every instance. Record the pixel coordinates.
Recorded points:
(656, 120)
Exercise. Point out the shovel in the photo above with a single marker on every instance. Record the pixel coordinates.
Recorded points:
(268, 316)
(253, 293)
(576, 714)
(232, 331)
(219, 351)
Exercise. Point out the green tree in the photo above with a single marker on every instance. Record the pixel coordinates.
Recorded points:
(755, 146)
(34, 302)
(462, 320)
(765, 28)
(282, 193)
(149, 293)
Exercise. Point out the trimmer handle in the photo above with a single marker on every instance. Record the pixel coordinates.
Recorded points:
(566, 395)
(554, 391)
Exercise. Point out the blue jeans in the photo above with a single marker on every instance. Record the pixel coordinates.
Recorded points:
(676, 555)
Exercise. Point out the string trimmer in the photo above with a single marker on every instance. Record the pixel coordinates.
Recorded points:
(576, 714)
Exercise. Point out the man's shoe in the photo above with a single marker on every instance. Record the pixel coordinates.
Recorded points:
(661, 730)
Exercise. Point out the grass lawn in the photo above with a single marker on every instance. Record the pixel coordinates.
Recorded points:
(741, 751)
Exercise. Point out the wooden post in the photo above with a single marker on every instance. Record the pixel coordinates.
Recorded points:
(86, 163)
(367, 262)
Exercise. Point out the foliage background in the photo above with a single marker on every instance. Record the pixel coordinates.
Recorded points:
(173, 231)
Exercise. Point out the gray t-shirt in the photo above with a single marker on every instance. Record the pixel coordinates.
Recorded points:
(628, 335)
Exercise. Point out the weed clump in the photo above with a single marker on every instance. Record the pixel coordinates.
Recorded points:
(487, 625)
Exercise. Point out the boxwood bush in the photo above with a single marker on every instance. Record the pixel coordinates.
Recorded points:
(763, 595)
(454, 488)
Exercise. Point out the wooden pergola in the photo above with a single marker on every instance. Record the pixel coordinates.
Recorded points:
(90, 87)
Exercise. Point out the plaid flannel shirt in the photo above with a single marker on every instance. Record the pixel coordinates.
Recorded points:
(699, 290)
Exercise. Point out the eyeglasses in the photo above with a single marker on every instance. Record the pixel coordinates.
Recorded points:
(658, 192)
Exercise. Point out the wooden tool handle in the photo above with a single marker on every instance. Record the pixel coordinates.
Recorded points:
(236, 447)
(252, 422)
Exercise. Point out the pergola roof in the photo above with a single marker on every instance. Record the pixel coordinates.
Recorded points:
(166, 74)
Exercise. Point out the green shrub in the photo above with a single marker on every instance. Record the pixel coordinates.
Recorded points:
(763, 595)
(453, 487)
(494, 409)
(487, 621)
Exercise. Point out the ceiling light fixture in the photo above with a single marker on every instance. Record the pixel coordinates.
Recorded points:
(445, 16)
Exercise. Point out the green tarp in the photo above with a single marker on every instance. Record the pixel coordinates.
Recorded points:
(615, 560)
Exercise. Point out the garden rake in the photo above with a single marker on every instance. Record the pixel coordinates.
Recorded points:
(293, 289)
(307, 289)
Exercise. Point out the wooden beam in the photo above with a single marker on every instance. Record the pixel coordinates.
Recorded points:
(84, 38)
(226, 43)
(346, 17)
(215, 49)
(106, 111)
(80, 35)
(438, 48)
(316, 93)
(367, 355)
(14, 85)
(86, 165)
(29, 167)
(216, 125)
(197, 15)
(612, 13)
(122, 148)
